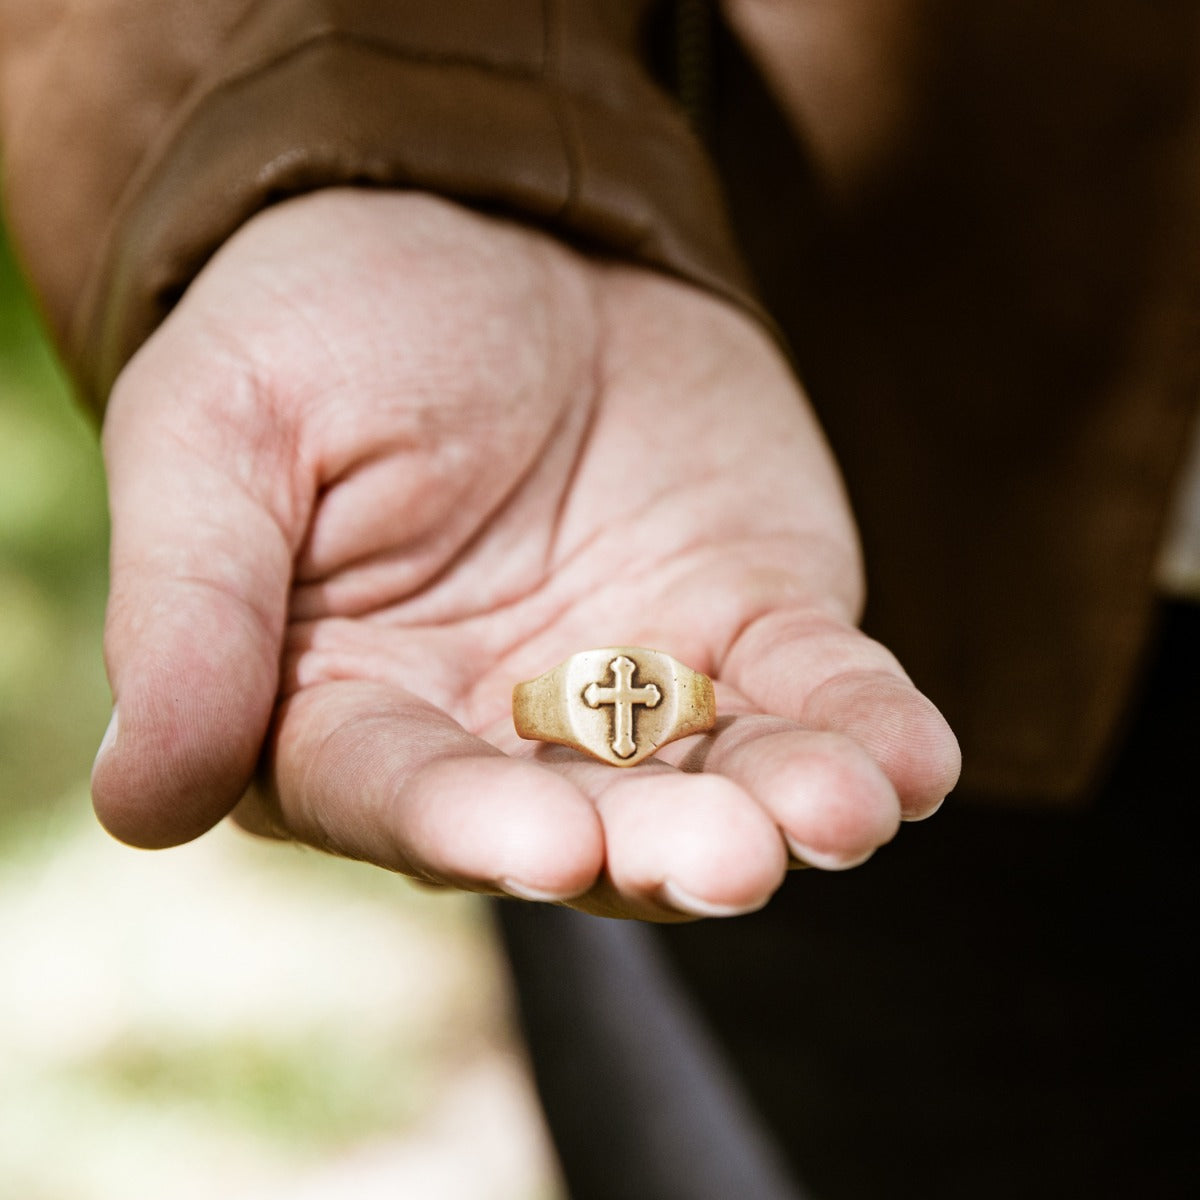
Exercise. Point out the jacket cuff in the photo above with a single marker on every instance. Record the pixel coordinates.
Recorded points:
(562, 127)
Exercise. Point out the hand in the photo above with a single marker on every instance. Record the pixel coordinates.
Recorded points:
(389, 457)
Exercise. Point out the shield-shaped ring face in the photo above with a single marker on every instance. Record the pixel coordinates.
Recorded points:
(619, 704)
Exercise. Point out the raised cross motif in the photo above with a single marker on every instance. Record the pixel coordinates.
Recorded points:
(622, 696)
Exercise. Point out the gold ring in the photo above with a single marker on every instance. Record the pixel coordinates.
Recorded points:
(618, 704)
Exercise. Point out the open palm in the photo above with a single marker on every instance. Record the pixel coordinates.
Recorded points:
(388, 458)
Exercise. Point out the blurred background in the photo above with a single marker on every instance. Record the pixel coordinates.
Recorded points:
(231, 1017)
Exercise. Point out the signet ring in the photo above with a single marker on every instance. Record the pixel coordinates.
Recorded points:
(618, 704)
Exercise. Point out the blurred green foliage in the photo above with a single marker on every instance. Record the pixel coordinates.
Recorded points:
(312, 1093)
(53, 536)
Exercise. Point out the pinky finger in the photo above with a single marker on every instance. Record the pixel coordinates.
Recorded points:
(829, 677)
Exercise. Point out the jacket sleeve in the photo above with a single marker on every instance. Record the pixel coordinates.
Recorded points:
(137, 137)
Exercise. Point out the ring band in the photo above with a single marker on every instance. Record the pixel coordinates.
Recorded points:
(618, 704)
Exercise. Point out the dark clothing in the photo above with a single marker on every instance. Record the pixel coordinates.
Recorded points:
(999, 335)
(1002, 1003)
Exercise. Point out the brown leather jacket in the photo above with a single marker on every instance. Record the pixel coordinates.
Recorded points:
(992, 305)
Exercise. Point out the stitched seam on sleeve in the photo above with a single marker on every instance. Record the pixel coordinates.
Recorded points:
(382, 46)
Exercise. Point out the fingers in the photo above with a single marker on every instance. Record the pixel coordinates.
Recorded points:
(827, 796)
(828, 677)
(900, 729)
(369, 771)
(374, 773)
(200, 569)
(683, 845)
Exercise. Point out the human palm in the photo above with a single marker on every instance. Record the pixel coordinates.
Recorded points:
(388, 458)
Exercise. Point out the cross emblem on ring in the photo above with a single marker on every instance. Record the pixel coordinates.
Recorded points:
(622, 696)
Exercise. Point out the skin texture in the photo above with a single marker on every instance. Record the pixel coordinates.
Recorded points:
(389, 457)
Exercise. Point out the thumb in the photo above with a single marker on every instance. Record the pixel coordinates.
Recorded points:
(202, 545)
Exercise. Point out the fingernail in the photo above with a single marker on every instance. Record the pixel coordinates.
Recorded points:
(822, 859)
(926, 815)
(106, 742)
(521, 891)
(685, 902)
